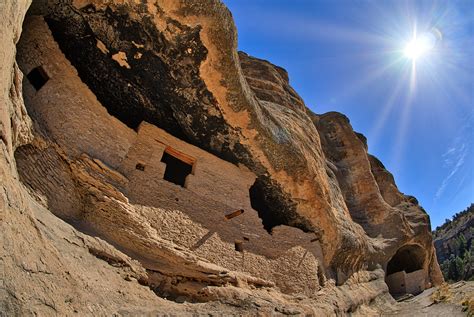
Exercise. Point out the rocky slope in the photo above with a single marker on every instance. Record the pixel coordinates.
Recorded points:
(81, 237)
(453, 243)
(445, 235)
(448, 300)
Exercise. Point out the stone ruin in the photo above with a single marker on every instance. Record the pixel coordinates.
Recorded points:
(405, 272)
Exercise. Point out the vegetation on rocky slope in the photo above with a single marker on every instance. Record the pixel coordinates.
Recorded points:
(454, 248)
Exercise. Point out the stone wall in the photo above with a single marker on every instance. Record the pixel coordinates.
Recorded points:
(415, 282)
(400, 283)
(90, 129)
(396, 283)
(211, 177)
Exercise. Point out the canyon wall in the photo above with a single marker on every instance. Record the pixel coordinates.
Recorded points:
(146, 163)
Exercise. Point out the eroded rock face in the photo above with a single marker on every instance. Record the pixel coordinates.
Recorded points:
(319, 211)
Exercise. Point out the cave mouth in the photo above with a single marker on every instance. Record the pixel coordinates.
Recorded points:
(405, 274)
(274, 208)
(408, 258)
(264, 204)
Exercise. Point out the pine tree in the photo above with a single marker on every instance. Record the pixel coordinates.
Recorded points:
(462, 245)
(452, 270)
(468, 264)
(459, 264)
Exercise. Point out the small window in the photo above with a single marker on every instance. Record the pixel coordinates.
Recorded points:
(176, 169)
(140, 167)
(239, 246)
(38, 77)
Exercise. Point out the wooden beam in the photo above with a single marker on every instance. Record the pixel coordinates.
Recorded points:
(234, 214)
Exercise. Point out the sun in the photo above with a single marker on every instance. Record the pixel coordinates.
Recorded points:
(415, 49)
(420, 45)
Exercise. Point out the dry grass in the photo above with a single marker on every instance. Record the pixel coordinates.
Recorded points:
(468, 306)
(442, 294)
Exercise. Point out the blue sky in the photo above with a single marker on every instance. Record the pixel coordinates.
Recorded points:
(348, 56)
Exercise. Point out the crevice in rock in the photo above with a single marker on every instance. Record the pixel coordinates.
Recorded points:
(179, 288)
(113, 261)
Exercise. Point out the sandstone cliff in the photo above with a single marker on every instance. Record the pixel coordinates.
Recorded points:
(145, 162)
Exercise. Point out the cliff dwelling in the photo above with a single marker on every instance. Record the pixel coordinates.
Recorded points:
(214, 196)
(405, 273)
(150, 162)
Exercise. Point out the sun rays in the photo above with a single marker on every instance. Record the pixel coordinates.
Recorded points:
(428, 55)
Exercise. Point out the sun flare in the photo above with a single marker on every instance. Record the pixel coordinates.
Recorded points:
(420, 45)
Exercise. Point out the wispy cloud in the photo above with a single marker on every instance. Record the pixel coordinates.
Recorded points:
(454, 158)
(454, 154)
(449, 152)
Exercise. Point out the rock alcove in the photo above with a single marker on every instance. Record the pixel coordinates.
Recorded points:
(405, 272)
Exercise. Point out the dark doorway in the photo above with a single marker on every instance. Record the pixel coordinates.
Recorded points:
(38, 77)
(176, 170)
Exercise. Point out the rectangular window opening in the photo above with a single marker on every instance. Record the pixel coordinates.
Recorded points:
(178, 166)
(38, 77)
